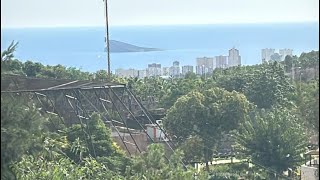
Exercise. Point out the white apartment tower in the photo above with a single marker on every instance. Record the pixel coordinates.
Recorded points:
(285, 52)
(175, 69)
(126, 73)
(204, 65)
(165, 71)
(186, 69)
(234, 58)
(142, 74)
(266, 54)
(154, 70)
(221, 61)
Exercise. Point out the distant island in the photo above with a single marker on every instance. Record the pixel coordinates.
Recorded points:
(121, 47)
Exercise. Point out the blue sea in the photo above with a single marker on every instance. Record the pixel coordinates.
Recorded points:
(83, 47)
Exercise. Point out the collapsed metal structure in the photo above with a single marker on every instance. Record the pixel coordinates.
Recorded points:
(75, 101)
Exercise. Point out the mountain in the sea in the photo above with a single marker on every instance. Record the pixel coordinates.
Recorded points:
(120, 47)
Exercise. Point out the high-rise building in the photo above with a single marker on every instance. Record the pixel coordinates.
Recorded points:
(165, 71)
(186, 69)
(221, 61)
(205, 61)
(176, 64)
(204, 65)
(285, 52)
(142, 74)
(200, 70)
(214, 63)
(266, 54)
(126, 73)
(154, 70)
(234, 58)
(174, 70)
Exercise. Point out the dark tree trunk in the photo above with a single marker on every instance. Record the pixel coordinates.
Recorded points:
(207, 166)
(206, 158)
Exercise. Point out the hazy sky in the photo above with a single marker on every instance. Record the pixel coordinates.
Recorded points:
(30, 13)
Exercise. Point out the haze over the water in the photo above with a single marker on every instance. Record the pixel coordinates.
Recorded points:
(55, 13)
(251, 26)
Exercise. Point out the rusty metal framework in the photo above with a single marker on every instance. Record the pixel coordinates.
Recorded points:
(75, 101)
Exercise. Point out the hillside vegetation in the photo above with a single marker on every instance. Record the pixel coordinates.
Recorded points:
(265, 111)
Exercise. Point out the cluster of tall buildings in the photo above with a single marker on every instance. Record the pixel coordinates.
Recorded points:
(155, 69)
(269, 54)
(208, 64)
(204, 65)
(173, 71)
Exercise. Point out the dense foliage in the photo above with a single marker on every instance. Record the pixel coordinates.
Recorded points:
(274, 139)
(21, 126)
(267, 112)
(206, 115)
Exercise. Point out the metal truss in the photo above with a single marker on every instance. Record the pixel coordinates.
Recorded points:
(104, 99)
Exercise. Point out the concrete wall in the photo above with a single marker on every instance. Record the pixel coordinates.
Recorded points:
(141, 140)
(309, 173)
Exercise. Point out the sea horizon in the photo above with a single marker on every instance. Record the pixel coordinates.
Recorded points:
(165, 25)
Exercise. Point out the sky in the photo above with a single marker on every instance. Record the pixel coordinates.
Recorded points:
(66, 13)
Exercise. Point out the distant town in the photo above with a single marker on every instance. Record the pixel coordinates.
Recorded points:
(204, 65)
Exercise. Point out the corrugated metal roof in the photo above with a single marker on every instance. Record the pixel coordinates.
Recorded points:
(14, 83)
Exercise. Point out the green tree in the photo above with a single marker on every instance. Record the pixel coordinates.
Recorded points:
(95, 141)
(309, 60)
(21, 127)
(150, 165)
(96, 132)
(274, 139)
(206, 115)
(307, 100)
(275, 57)
(178, 88)
(153, 166)
(8, 63)
(47, 72)
(265, 85)
(32, 69)
(269, 87)
(234, 79)
(52, 163)
(8, 53)
(289, 61)
(77, 74)
(192, 152)
(13, 65)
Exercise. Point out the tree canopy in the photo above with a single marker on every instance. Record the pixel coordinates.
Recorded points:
(274, 139)
(206, 115)
(265, 110)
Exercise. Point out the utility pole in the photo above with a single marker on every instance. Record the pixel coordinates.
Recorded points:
(107, 38)
(300, 81)
(292, 72)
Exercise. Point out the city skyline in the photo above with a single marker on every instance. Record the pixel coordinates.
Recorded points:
(269, 54)
(203, 65)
